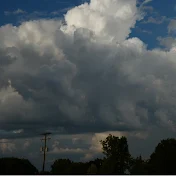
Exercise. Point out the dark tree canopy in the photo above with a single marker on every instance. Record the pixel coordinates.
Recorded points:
(79, 168)
(117, 161)
(92, 170)
(163, 159)
(139, 166)
(117, 155)
(65, 166)
(61, 166)
(16, 166)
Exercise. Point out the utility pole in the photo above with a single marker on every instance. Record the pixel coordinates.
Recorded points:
(45, 148)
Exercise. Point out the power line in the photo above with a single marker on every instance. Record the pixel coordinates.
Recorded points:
(45, 148)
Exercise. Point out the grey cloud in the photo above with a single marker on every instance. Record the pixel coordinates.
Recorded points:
(59, 12)
(15, 12)
(167, 42)
(143, 30)
(67, 79)
(148, 8)
(172, 26)
(157, 20)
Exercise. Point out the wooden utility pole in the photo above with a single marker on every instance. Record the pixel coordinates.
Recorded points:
(44, 149)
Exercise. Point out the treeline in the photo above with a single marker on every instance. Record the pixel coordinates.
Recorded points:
(117, 161)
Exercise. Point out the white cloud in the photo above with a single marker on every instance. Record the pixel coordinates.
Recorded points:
(108, 20)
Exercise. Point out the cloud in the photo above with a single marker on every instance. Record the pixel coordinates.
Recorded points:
(57, 150)
(59, 12)
(172, 26)
(84, 76)
(143, 4)
(148, 8)
(147, 1)
(104, 18)
(27, 143)
(18, 131)
(157, 20)
(167, 42)
(142, 30)
(88, 145)
(15, 12)
(7, 146)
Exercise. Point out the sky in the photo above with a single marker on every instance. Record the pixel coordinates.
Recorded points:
(85, 69)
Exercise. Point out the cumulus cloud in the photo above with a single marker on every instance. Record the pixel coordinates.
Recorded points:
(108, 20)
(84, 76)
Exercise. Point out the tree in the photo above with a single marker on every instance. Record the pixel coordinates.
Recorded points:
(44, 173)
(117, 154)
(108, 167)
(92, 170)
(67, 167)
(163, 159)
(138, 166)
(98, 162)
(79, 168)
(61, 166)
(16, 166)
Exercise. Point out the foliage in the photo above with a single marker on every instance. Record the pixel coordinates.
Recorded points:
(16, 166)
(61, 166)
(79, 168)
(117, 160)
(45, 173)
(92, 170)
(139, 166)
(117, 153)
(163, 159)
(65, 166)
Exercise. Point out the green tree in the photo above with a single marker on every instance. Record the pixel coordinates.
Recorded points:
(117, 155)
(163, 159)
